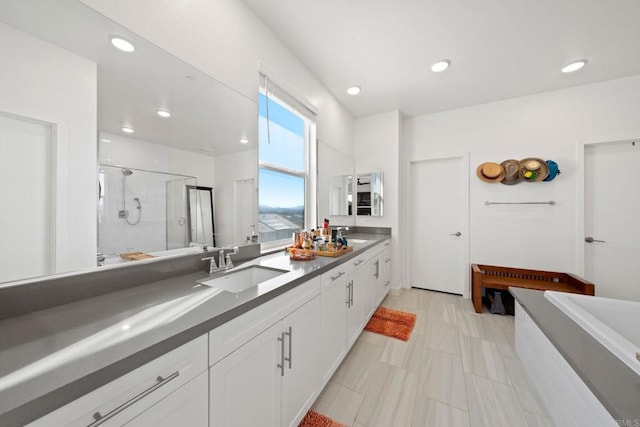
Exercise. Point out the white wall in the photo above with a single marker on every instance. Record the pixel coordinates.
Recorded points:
(377, 148)
(43, 82)
(549, 125)
(225, 39)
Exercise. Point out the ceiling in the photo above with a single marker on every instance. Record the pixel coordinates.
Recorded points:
(498, 49)
(207, 117)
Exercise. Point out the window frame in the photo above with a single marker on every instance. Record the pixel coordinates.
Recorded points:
(310, 166)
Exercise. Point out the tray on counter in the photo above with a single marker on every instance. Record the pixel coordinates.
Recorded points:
(135, 256)
(333, 254)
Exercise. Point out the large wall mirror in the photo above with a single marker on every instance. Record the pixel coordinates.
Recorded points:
(70, 100)
(369, 194)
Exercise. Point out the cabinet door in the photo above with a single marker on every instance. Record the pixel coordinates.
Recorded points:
(355, 315)
(385, 283)
(333, 327)
(188, 406)
(301, 380)
(245, 385)
(371, 286)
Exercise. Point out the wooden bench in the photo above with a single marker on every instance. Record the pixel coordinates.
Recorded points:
(491, 276)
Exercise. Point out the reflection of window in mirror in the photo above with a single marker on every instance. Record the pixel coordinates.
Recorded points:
(341, 195)
(286, 136)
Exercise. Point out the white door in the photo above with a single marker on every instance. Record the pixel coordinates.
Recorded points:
(439, 210)
(244, 196)
(25, 190)
(612, 206)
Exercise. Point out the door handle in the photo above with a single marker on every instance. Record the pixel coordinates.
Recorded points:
(590, 239)
(281, 364)
(290, 335)
(457, 234)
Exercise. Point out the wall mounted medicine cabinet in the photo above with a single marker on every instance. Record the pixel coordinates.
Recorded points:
(369, 194)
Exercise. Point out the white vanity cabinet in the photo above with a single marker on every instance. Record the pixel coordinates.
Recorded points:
(158, 393)
(273, 377)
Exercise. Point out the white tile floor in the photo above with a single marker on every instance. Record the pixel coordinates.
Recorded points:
(458, 369)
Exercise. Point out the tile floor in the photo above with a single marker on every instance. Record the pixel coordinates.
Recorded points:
(458, 368)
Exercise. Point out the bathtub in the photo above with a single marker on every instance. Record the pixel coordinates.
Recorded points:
(614, 323)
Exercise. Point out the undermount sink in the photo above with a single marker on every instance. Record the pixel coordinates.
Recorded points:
(356, 240)
(239, 280)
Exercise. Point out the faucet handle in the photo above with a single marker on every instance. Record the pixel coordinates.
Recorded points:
(212, 263)
(228, 263)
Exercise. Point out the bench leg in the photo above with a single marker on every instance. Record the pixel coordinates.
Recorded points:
(476, 291)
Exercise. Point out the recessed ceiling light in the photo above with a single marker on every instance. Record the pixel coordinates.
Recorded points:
(354, 90)
(127, 129)
(105, 140)
(164, 113)
(244, 141)
(574, 66)
(122, 44)
(440, 66)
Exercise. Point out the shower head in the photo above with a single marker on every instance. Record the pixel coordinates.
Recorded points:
(127, 172)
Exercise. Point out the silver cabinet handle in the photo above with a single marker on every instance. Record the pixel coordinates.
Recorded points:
(377, 273)
(348, 294)
(591, 240)
(351, 294)
(100, 419)
(457, 234)
(337, 276)
(387, 260)
(290, 335)
(281, 364)
(360, 261)
(387, 243)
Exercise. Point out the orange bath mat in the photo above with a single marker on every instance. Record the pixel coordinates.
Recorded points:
(314, 419)
(392, 323)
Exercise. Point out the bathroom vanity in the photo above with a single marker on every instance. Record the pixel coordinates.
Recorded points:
(174, 351)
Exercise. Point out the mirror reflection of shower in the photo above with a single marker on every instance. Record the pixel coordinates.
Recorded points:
(124, 213)
(153, 202)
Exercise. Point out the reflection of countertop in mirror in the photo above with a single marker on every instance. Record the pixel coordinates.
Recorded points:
(52, 356)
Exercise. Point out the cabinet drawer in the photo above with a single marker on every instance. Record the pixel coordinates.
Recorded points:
(336, 275)
(228, 337)
(128, 396)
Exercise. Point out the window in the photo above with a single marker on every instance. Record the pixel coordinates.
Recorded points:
(286, 151)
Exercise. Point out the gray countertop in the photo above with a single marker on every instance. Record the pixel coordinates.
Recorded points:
(53, 356)
(615, 384)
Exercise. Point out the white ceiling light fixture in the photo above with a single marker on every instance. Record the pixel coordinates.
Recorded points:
(163, 113)
(574, 66)
(354, 90)
(127, 129)
(244, 141)
(441, 65)
(122, 44)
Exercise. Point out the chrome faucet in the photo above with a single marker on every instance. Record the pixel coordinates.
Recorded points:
(224, 261)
